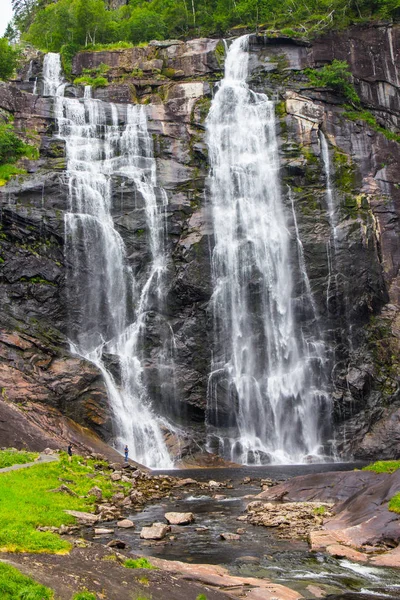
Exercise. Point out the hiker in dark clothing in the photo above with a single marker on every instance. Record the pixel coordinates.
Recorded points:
(69, 450)
(126, 453)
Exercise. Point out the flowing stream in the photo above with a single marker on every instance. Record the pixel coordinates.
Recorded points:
(109, 307)
(266, 376)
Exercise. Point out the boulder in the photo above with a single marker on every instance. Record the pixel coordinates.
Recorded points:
(96, 492)
(176, 518)
(157, 531)
(83, 517)
(229, 537)
(103, 531)
(125, 524)
(116, 544)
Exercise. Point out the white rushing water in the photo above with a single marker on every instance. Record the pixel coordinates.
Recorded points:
(109, 306)
(265, 375)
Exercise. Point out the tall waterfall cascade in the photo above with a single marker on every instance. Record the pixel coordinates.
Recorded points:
(109, 305)
(267, 401)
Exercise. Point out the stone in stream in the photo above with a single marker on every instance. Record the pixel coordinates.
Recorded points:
(103, 531)
(229, 537)
(215, 484)
(125, 523)
(184, 482)
(157, 531)
(83, 517)
(116, 544)
(176, 518)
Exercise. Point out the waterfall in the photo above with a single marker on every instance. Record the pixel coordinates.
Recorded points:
(109, 307)
(266, 398)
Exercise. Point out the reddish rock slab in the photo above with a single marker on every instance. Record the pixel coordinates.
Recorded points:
(217, 576)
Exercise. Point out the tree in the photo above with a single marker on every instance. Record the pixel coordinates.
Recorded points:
(8, 59)
(146, 25)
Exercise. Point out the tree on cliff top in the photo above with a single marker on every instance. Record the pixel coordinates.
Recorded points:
(50, 25)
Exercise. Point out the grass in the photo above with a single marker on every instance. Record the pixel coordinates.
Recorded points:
(15, 586)
(7, 171)
(26, 503)
(16, 457)
(383, 466)
(85, 595)
(138, 563)
(95, 82)
(394, 503)
(113, 46)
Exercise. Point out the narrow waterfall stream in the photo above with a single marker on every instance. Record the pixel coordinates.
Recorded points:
(266, 400)
(109, 305)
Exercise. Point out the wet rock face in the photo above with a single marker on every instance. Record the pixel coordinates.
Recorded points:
(175, 80)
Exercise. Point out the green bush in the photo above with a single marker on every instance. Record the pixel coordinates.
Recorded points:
(8, 58)
(15, 586)
(336, 76)
(11, 146)
(138, 563)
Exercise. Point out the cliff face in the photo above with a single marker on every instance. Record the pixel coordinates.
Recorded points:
(357, 300)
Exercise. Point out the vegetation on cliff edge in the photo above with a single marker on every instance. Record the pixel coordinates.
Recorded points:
(51, 25)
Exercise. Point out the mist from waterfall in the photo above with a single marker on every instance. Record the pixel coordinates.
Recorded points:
(110, 306)
(267, 400)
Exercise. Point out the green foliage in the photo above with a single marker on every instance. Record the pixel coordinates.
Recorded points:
(16, 457)
(138, 563)
(51, 25)
(383, 466)
(8, 171)
(26, 502)
(201, 597)
(394, 503)
(11, 149)
(15, 586)
(336, 76)
(367, 117)
(11, 146)
(85, 595)
(95, 82)
(8, 58)
(319, 510)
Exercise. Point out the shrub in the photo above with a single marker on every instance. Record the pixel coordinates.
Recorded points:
(336, 76)
(11, 146)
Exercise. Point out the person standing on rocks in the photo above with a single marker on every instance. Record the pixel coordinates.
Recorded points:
(126, 453)
(69, 450)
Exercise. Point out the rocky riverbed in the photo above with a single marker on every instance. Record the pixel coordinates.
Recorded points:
(273, 533)
(238, 520)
